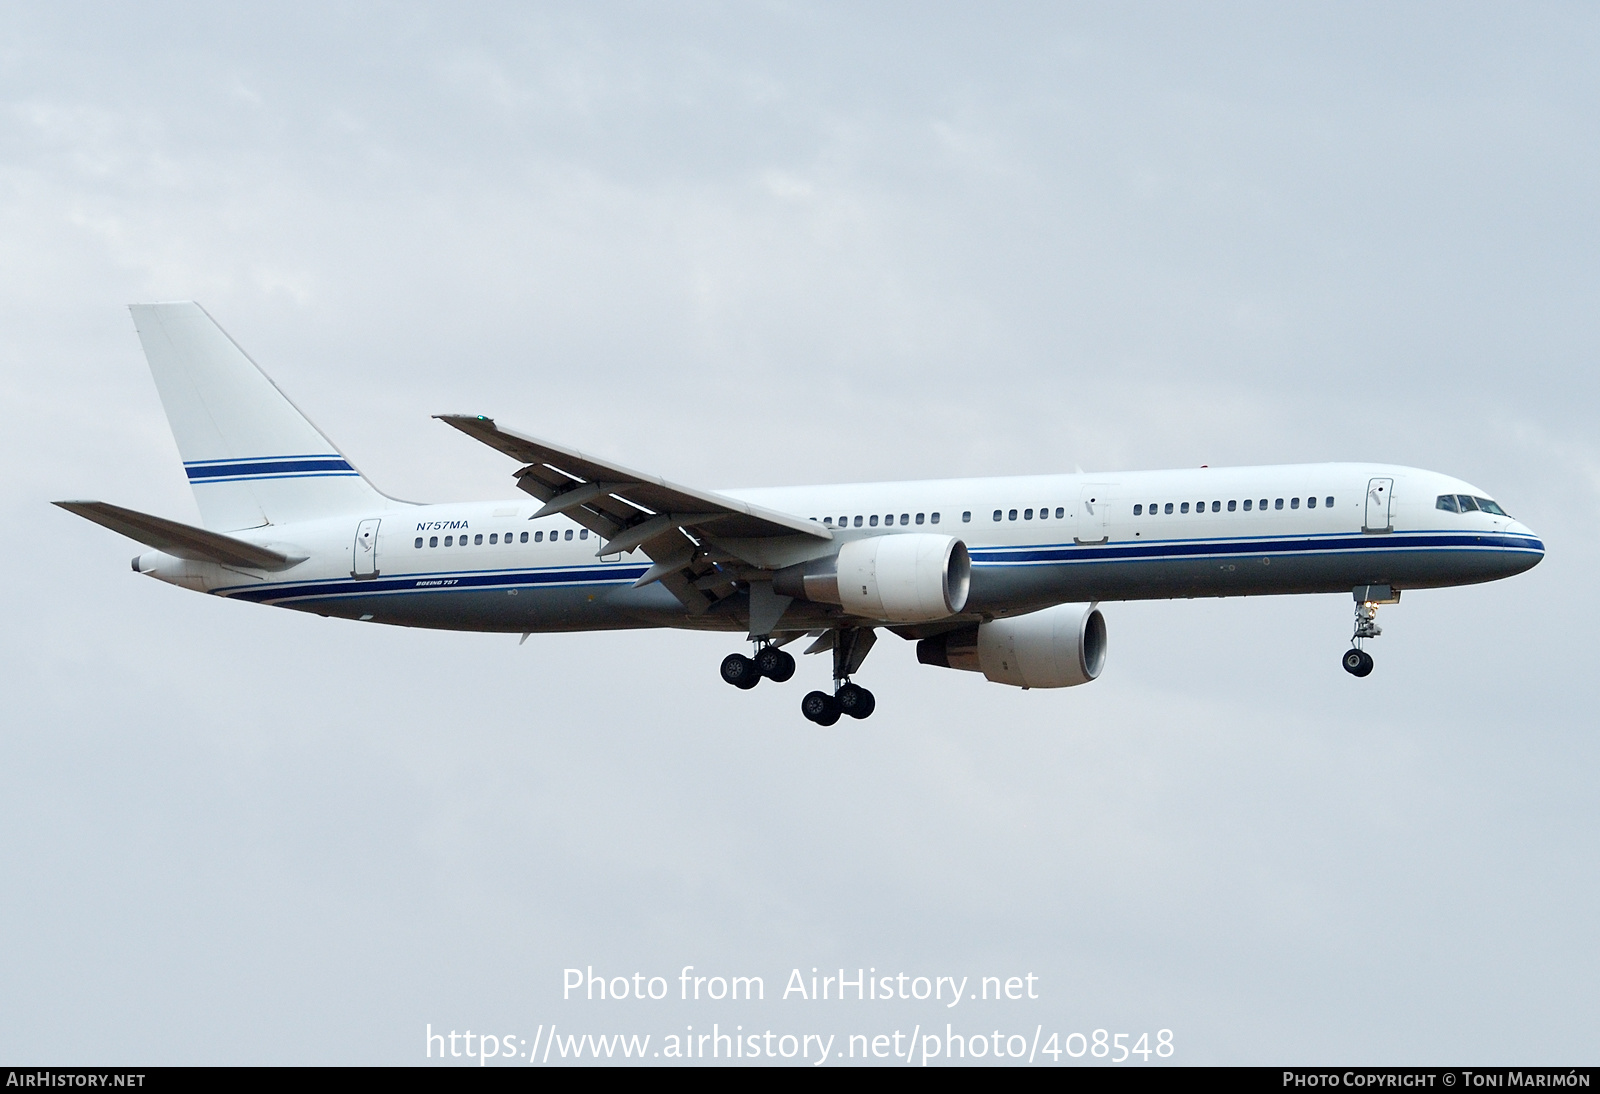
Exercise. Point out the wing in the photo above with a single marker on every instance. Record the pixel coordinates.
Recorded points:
(703, 544)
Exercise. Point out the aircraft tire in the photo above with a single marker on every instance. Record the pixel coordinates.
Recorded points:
(740, 671)
(856, 701)
(820, 707)
(775, 664)
(1357, 662)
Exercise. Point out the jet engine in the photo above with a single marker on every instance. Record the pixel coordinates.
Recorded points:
(912, 577)
(1058, 647)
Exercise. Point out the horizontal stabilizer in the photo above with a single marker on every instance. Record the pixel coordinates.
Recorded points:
(180, 540)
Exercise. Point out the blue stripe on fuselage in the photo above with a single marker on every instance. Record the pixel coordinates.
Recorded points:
(440, 582)
(1035, 555)
(998, 557)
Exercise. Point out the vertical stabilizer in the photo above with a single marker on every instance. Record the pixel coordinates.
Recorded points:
(252, 458)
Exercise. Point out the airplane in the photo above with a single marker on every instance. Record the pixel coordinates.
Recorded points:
(998, 576)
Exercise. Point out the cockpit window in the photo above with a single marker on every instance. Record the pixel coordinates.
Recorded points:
(1465, 503)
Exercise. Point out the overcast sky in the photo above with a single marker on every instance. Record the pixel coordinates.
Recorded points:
(775, 243)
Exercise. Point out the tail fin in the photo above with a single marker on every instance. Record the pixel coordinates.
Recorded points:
(251, 456)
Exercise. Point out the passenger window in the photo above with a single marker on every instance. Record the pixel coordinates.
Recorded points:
(966, 516)
(1232, 505)
(1138, 509)
(1467, 504)
(584, 534)
(997, 514)
(524, 537)
(874, 521)
(1327, 502)
(1011, 515)
(418, 543)
(538, 537)
(905, 518)
(934, 519)
(449, 541)
(919, 518)
(1169, 507)
(1278, 504)
(1184, 508)
(858, 522)
(828, 521)
(1027, 514)
(1246, 505)
(493, 538)
(1216, 507)
(1294, 503)
(569, 533)
(1311, 503)
(433, 541)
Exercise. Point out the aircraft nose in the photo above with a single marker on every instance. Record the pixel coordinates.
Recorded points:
(1534, 546)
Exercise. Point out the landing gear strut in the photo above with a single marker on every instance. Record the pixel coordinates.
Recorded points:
(850, 648)
(1357, 661)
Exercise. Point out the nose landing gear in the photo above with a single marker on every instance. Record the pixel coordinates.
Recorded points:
(1357, 661)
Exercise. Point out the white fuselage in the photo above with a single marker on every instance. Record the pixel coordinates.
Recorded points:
(1034, 541)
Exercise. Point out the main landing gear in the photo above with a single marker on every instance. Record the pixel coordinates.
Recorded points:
(849, 645)
(1357, 661)
(745, 673)
(851, 699)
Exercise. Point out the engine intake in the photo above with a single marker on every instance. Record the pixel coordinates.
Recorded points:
(1058, 647)
(914, 577)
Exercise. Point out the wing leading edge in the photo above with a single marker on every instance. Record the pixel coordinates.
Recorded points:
(703, 544)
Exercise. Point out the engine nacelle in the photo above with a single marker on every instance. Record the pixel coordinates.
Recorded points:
(1058, 647)
(913, 577)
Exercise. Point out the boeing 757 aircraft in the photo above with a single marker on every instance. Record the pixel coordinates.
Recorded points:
(1002, 576)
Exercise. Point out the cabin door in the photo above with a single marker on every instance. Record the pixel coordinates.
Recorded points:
(364, 555)
(1379, 505)
(1094, 515)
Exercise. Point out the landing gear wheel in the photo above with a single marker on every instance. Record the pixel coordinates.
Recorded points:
(820, 707)
(1357, 662)
(774, 664)
(740, 671)
(856, 701)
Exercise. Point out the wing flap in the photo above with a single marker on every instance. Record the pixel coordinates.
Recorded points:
(180, 540)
